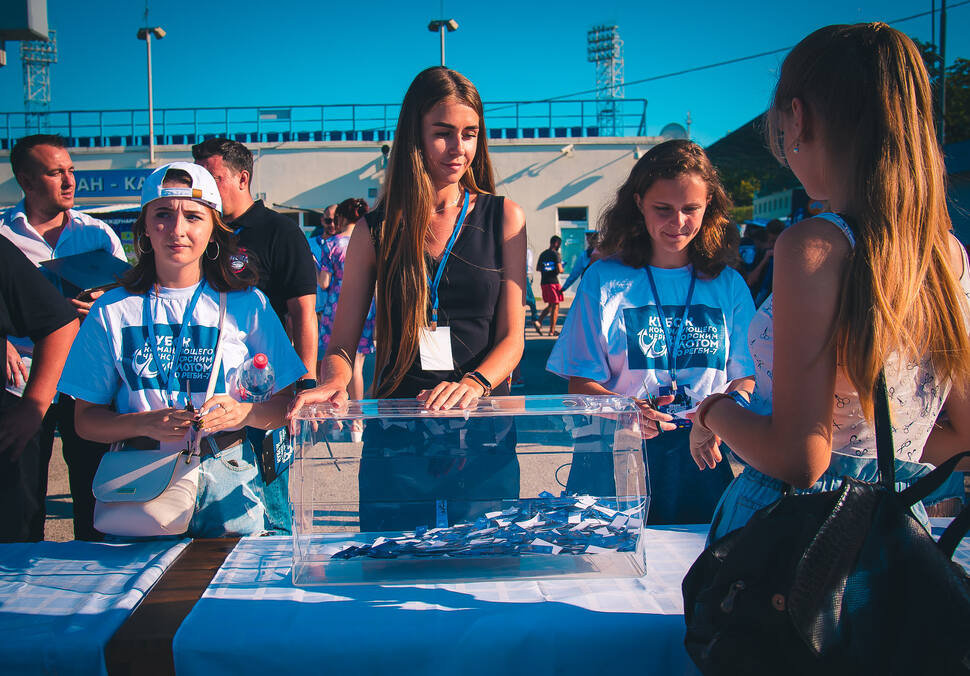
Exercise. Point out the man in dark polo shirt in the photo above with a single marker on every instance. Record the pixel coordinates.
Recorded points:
(269, 241)
(29, 306)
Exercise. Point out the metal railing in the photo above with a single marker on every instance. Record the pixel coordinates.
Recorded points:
(351, 122)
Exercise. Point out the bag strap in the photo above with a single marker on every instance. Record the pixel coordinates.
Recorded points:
(217, 358)
(885, 448)
(955, 532)
(930, 482)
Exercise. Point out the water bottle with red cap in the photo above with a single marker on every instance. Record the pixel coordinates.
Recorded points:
(254, 380)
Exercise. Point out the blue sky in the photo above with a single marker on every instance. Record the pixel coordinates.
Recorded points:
(290, 52)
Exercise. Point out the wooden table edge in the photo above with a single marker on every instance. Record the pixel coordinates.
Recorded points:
(143, 643)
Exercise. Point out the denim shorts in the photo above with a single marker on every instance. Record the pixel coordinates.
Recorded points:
(752, 490)
(232, 498)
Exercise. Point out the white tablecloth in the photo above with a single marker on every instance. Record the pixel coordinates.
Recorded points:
(252, 620)
(60, 602)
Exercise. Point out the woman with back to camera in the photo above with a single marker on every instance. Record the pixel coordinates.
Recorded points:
(330, 277)
(880, 283)
(661, 317)
(148, 349)
(448, 261)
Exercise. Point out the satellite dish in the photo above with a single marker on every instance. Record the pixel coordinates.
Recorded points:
(672, 131)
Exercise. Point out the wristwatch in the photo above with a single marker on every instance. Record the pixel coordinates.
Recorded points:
(304, 384)
(481, 380)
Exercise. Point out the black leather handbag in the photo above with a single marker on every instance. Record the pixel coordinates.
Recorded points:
(839, 582)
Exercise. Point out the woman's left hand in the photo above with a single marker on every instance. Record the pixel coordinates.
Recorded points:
(222, 412)
(705, 446)
(446, 395)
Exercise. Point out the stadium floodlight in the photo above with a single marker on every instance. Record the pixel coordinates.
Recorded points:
(146, 34)
(439, 26)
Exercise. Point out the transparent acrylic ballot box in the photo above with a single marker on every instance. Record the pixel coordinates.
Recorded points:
(386, 491)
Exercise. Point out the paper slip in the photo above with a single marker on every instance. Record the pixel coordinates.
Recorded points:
(543, 546)
(529, 523)
(605, 510)
(585, 502)
(603, 531)
(619, 521)
(585, 524)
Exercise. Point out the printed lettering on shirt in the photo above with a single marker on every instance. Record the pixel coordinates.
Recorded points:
(702, 341)
(195, 362)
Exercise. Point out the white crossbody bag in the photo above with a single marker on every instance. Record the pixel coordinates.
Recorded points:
(151, 492)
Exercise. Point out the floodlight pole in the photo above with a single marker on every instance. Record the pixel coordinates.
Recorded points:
(439, 26)
(441, 34)
(146, 35)
(151, 103)
(942, 72)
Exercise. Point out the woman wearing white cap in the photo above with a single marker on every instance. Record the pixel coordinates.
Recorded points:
(153, 363)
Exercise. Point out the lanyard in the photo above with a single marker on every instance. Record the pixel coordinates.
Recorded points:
(672, 346)
(433, 284)
(166, 378)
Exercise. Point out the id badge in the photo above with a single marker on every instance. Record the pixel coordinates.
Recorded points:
(435, 349)
(276, 454)
(680, 403)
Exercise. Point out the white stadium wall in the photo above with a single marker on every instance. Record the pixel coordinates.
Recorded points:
(540, 174)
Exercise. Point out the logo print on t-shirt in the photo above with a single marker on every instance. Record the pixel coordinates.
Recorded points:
(702, 341)
(238, 261)
(649, 344)
(141, 370)
(143, 362)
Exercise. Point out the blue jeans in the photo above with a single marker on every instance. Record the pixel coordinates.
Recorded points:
(752, 490)
(232, 498)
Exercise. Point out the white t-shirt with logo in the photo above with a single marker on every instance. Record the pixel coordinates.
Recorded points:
(613, 334)
(111, 360)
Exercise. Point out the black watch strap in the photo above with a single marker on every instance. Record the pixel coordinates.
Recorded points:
(304, 384)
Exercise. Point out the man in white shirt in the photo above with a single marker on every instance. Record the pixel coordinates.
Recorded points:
(43, 226)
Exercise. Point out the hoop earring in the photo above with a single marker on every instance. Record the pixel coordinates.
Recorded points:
(218, 251)
(139, 250)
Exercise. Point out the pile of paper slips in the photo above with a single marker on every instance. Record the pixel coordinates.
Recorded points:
(577, 524)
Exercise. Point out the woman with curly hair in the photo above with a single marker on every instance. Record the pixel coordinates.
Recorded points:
(662, 317)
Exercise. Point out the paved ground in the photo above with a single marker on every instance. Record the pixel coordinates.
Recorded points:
(535, 380)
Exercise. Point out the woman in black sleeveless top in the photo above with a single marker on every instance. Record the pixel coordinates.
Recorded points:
(448, 262)
(439, 171)
(468, 291)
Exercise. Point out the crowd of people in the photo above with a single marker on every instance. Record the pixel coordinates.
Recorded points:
(434, 281)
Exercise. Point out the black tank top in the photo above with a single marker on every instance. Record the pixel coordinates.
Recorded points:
(467, 297)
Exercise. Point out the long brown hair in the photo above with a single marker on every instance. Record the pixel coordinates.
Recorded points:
(622, 228)
(867, 96)
(408, 202)
(217, 272)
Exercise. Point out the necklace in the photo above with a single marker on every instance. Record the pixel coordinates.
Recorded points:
(448, 206)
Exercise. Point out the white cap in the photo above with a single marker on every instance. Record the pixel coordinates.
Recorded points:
(203, 187)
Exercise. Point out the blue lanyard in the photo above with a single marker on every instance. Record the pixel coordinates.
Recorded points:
(167, 378)
(433, 284)
(672, 346)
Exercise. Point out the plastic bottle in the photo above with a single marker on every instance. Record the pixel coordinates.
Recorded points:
(254, 380)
